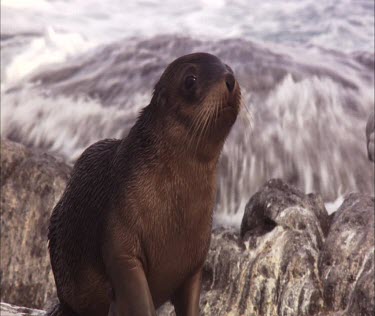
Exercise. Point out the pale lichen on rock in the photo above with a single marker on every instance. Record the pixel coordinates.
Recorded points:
(31, 183)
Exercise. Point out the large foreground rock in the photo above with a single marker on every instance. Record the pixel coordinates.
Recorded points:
(31, 183)
(284, 264)
(370, 137)
(13, 310)
(347, 259)
(288, 259)
(273, 270)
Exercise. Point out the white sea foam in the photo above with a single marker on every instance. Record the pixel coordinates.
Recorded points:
(73, 26)
(53, 47)
(333, 206)
(63, 125)
(26, 4)
(311, 139)
(309, 106)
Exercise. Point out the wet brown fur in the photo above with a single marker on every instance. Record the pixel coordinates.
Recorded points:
(147, 197)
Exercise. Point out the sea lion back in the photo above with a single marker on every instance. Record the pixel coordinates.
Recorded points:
(77, 218)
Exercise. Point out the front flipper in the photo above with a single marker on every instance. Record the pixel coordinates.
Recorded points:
(131, 294)
(186, 299)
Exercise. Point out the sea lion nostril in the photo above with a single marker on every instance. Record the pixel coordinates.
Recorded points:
(230, 82)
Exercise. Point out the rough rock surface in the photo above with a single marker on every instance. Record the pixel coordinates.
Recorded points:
(370, 137)
(346, 262)
(290, 257)
(273, 270)
(31, 184)
(267, 207)
(12, 310)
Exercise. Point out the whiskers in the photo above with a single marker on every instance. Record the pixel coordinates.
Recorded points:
(245, 114)
(207, 116)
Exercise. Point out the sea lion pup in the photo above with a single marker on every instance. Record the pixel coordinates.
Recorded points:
(132, 229)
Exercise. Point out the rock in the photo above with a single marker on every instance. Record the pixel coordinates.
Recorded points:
(288, 259)
(266, 209)
(225, 283)
(370, 137)
(32, 182)
(12, 310)
(273, 270)
(346, 262)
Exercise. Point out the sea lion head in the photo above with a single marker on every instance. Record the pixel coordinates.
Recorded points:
(199, 99)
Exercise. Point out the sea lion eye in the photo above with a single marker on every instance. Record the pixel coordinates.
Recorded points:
(190, 82)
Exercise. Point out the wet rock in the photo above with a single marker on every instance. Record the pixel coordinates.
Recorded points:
(13, 310)
(346, 262)
(288, 259)
(284, 265)
(273, 270)
(31, 183)
(370, 137)
(269, 207)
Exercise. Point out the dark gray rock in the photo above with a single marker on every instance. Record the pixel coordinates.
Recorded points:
(273, 270)
(346, 261)
(266, 209)
(31, 183)
(370, 137)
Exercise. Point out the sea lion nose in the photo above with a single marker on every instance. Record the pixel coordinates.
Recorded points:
(230, 81)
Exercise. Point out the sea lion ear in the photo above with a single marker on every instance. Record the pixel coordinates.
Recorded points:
(159, 97)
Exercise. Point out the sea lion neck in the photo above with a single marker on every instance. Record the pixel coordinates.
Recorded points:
(172, 137)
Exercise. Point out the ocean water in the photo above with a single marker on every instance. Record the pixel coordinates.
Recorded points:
(74, 72)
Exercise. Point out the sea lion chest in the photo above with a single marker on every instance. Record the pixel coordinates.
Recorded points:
(176, 219)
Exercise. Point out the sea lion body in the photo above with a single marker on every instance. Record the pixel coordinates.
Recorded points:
(132, 229)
